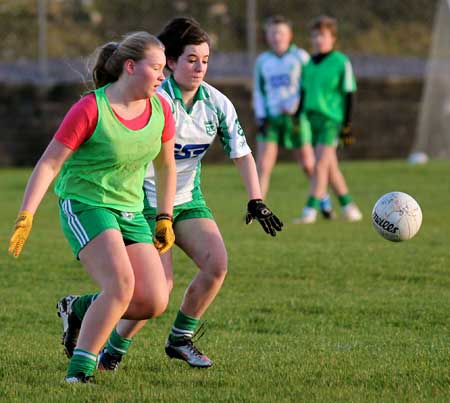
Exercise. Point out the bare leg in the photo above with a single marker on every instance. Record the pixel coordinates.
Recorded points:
(265, 161)
(305, 158)
(201, 240)
(132, 281)
(150, 296)
(337, 179)
(106, 260)
(319, 183)
(129, 328)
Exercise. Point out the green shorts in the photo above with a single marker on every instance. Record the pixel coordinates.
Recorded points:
(280, 130)
(185, 211)
(317, 130)
(81, 223)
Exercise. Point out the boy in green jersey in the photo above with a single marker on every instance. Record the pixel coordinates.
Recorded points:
(276, 95)
(327, 86)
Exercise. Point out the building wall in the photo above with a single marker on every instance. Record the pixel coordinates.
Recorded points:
(384, 119)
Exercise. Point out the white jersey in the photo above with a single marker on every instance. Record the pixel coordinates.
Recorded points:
(211, 115)
(276, 86)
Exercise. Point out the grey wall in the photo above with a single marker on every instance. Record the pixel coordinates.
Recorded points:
(384, 118)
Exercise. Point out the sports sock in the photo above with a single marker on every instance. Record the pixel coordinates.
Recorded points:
(184, 326)
(313, 202)
(82, 303)
(117, 344)
(82, 361)
(345, 200)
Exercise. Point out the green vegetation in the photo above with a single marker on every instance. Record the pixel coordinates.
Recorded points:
(326, 313)
(74, 27)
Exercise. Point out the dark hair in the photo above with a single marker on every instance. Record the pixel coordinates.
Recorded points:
(179, 33)
(111, 56)
(325, 23)
(275, 20)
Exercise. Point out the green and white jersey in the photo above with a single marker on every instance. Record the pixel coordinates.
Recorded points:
(211, 115)
(326, 81)
(276, 86)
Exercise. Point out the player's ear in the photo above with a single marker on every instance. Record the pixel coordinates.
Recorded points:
(129, 66)
(171, 63)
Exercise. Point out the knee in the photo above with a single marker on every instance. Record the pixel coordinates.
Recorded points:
(216, 266)
(148, 307)
(321, 165)
(121, 289)
(308, 168)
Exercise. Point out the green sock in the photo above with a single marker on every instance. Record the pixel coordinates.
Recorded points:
(82, 361)
(82, 303)
(184, 326)
(313, 202)
(117, 344)
(345, 200)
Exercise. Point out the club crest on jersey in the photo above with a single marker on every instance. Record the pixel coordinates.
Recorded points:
(211, 128)
(127, 215)
(239, 130)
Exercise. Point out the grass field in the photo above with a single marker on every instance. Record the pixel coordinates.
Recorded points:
(324, 313)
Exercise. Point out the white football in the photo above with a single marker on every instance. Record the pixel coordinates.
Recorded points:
(418, 158)
(397, 216)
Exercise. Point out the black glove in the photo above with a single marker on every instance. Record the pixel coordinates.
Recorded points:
(256, 209)
(346, 135)
(262, 124)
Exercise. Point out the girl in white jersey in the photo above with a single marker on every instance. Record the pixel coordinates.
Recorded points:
(201, 113)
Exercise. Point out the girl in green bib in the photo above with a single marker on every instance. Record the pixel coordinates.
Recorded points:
(101, 152)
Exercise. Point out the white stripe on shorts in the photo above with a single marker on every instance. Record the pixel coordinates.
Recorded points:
(75, 224)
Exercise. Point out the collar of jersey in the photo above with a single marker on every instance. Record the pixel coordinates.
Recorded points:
(200, 95)
(292, 46)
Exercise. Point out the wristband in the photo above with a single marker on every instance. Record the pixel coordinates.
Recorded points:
(164, 216)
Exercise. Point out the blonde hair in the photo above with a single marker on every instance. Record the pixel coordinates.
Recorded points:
(110, 57)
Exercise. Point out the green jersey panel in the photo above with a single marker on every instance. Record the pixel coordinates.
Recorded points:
(108, 169)
(326, 83)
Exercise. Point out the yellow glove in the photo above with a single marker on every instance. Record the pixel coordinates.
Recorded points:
(22, 229)
(164, 236)
(346, 135)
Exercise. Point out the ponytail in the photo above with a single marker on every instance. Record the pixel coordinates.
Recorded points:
(110, 58)
(103, 72)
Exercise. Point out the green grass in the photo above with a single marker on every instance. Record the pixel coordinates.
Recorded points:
(326, 313)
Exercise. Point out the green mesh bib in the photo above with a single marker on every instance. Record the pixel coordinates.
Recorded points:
(108, 169)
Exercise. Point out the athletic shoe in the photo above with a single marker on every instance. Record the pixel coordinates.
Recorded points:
(326, 208)
(185, 350)
(71, 323)
(79, 378)
(309, 216)
(352, 213)
(108, 361)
